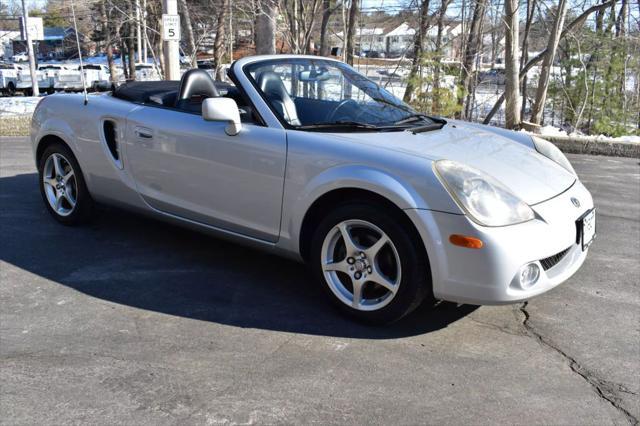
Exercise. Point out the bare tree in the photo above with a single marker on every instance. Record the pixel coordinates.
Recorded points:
(442, 12)
(512, 80)
(218, 43)
(265, 27)
(301, 17)
(531, 7)
(326, 16)
(533, 61)
(418, 47)
(106, 27)
(188, 30)
(351, 26)
(547, 62)
(471, 53)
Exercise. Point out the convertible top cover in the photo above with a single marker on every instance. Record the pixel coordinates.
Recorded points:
(144, 92)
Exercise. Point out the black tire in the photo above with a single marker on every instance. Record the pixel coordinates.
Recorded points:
(11, 89)
(84, 203)
(415, 281)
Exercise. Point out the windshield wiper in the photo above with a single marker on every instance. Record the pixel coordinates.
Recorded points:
(339, 124)
(428, 127)
(413, 117)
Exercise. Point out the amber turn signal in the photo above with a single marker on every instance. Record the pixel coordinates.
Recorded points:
(464, 241)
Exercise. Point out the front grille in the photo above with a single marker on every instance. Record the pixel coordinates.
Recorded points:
(552, 261)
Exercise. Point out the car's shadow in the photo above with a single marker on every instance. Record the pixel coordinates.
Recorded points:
(146, 264)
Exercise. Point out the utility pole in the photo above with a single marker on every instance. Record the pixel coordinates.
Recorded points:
(171, 43)
(32, 59)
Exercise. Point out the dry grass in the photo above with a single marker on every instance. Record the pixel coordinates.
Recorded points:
(16, 125)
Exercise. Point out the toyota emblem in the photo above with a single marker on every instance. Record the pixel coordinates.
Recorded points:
(575, 201)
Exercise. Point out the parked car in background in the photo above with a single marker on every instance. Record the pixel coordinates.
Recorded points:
(50, 73)
(24, 83)
(96, 77)
(20, 57)
(307, 158)
(68, 79)
(9, 78)
(147, 72)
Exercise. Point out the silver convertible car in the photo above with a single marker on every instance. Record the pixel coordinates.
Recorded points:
(305, 157)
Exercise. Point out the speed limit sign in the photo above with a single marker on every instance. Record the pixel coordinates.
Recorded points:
(170, 27)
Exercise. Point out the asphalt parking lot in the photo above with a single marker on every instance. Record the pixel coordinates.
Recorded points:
(133, 321)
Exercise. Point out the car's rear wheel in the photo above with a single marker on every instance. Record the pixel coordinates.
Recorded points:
(369, 264)
(62, 186)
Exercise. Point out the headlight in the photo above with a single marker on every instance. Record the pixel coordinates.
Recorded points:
(552, 152)
(483, 198)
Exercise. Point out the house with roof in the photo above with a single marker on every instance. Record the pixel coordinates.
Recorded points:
(365, 39)
(398, 40)
(58, 43)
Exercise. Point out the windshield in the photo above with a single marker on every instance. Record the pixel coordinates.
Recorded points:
(316, 93)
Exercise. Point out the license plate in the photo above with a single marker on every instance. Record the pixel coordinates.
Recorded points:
(588, 228)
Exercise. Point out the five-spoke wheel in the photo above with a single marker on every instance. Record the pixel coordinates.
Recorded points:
(361, 265)
(62, 185)
(370, 262)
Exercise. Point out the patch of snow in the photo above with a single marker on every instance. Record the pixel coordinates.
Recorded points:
(18, 105)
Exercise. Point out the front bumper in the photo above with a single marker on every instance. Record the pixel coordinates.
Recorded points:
(490, 275)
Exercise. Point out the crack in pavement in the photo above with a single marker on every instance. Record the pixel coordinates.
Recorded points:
(603, 388)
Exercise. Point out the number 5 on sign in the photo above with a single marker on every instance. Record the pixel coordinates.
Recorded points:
(170, 27)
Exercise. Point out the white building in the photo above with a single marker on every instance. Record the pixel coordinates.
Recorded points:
(400, 39)
(365, 39)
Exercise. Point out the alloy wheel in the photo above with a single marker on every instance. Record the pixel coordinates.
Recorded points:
(361, 265)
(60, 184)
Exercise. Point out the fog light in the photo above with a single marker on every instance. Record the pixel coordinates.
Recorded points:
(529, 275)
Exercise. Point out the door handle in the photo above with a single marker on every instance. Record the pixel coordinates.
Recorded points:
(143, 133)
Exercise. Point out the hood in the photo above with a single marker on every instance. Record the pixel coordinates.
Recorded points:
(529, 175)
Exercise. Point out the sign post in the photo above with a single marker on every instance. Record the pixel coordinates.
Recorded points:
(35, 90)
(171, 39)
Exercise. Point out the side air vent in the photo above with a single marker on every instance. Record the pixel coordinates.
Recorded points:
(110, 136)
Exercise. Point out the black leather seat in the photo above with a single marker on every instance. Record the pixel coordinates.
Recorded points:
(195, 86)
(273, 88)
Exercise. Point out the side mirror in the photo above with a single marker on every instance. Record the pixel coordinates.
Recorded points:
(223, 109)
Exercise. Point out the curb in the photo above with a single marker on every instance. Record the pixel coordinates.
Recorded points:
(595, 147)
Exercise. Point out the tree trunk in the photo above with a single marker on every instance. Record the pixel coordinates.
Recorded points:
(471, 52)
(436, 107)
(545, 70)
(107, 41)
(512, 80)
(218, 44)
(351, 26)
(188, 30)
(531, 7)
(326, 15)
(132, 56)
(621, 22)
(418, 46)
(265, 36)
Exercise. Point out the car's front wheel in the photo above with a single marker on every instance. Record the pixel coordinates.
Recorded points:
(369, 263)
(62, 186)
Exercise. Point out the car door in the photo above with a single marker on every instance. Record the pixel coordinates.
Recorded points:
(189, 167)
